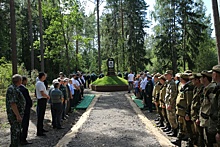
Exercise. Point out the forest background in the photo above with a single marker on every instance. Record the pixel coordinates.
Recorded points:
(181, 38)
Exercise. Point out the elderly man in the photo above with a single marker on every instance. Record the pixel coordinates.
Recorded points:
(15, 105)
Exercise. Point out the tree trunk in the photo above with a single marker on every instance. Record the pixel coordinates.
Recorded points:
(122, 34)
(41, 36)
(31, 34)
(217, 26)
(77, 52)
(13, 37)
(99, 52)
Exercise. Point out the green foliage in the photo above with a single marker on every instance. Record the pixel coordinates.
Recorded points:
(110, 80)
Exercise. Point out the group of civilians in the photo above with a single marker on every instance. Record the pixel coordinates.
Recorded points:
(63, 95)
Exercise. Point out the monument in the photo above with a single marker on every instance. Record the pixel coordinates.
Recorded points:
(111, 82)
(111, 67)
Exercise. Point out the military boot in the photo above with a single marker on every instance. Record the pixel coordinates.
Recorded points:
(167, 129)
(173, 133)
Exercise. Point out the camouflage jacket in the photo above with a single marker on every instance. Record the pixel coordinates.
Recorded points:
(196, 102)
(162, 95)
(171, 93)
(156, 91)
(184, 99)
(214, 121)
(14, 95)
(206, 98)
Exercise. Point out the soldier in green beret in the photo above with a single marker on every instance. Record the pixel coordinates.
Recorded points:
(207, 98)
(214, 120)
(15, 105)
(195, 106)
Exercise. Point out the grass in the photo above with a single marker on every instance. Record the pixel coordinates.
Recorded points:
(110, 80)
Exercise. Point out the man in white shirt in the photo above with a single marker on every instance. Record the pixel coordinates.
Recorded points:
(42, 97)
(76, 87)
(143, 86)
(130, 81)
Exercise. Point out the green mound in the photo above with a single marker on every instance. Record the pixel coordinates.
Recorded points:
(110, 80)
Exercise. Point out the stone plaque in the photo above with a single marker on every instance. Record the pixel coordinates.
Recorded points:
(111, 67)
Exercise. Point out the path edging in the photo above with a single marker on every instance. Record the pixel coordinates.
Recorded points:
(163, 141)
(63, 142)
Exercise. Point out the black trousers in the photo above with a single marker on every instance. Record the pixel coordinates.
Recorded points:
(76, 97)
(148, 101)
(25, 123)
(41, 104)
(57, 109)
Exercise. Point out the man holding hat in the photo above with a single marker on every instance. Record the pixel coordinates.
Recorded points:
(205, 108)
(170, 100)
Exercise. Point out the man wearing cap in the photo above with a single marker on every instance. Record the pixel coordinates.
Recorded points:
(156, 93)
(183, 106)
(207, 97)
(170, 100)
(195, 106)
(64, 91)
(57, 105)
(214, 120)
(162, 106)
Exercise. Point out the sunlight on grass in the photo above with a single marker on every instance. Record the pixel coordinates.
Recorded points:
(110, 80)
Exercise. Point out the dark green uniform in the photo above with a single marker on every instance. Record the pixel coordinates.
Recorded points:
(205, 109)
(195, 108)
(214, 120)
(13, 95)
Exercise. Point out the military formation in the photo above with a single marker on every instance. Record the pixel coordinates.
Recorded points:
(188, 106)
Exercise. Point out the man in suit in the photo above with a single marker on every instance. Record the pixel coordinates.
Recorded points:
(26, 118)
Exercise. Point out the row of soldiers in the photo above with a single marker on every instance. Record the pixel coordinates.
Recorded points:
(188, 106)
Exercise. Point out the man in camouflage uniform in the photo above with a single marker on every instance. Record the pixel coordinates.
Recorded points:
(170, 100)
(183, 106)
(195, 106)
(156, 93)
(207, 98)
(214, 120)
(162, 105)
(15, 105)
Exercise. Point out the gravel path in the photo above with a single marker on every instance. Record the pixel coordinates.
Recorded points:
(113, 123)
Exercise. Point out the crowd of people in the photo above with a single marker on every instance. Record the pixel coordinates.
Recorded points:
(188, 104)
(63, 95)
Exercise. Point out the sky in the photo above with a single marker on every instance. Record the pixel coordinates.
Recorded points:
(90, 5)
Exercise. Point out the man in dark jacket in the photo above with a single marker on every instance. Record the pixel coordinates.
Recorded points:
(26, 118)
(149, 90)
